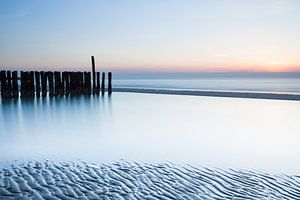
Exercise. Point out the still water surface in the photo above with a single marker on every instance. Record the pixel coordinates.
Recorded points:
(208, 131)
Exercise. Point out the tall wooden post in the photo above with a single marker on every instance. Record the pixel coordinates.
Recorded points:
(15, 84)
(94, 75)
(109, 83)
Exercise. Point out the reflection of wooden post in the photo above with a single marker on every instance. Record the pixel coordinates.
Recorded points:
(109, 83)
(15, 86)
(103, 83)
(94, 75)
(98, 83)
(37, 83)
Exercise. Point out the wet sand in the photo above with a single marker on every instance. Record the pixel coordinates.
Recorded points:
(131, 180)
(251, 95)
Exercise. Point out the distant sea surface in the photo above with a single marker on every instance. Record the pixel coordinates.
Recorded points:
(284, 84)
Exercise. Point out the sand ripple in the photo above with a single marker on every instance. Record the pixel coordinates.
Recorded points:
(125, 180)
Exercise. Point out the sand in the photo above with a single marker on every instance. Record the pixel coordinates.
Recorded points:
(130, 180)
(250, 95)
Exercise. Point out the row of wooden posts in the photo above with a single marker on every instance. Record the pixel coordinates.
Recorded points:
(34, 83)
(55, 83)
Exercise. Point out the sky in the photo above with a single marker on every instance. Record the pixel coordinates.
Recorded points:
(151, 36)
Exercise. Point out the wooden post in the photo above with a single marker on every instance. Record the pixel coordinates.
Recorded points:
(50, 82)
(57, 83)
(26, 84)
(109, 83)
(66, 83)
(103, 83)
(44, 83)
(81, 82)
(94, 75)
(9, 85)
(77, 83)
(37, 83)
(98, 83)
(3, 82)
(61, 85)
(31, 84)
(15, 84)
(72, 88)
(22, 84)
(87, 82)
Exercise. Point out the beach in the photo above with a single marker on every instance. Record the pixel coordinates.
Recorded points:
(126, 180)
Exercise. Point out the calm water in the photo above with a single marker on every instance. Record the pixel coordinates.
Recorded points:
(209, 131)
(270, 85)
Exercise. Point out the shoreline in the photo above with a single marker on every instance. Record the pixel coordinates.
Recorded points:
(248, 95)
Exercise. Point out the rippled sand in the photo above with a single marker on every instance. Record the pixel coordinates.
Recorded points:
(124, 180)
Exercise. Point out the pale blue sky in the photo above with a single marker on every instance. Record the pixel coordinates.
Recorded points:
(153, 35)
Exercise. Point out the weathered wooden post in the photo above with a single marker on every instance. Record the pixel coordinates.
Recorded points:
(22, 84)
(50, 82)
(109, 83)
(72, 84)
(26, 84)
(77, 83)
(103, 83)
(4, 85)
(98, 83)
(94, 75)
(87, 83)
(57, 83)
(61, 85)
(66, 83)
(3, 82)
(9, 85)
(37, 83)
(44, 83)
(15, 84)
(81, 82)
(31, 84)
(88, 79)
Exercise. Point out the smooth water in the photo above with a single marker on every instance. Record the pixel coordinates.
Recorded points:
(264, 85)
(208, 131)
